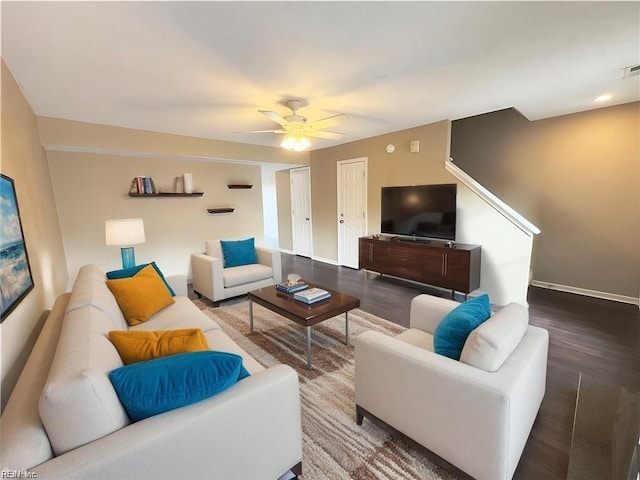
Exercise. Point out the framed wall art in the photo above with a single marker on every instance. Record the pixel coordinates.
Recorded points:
(15, 272)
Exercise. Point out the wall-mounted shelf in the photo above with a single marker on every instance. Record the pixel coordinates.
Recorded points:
(214, 211)
(238, 186)
(166, 194)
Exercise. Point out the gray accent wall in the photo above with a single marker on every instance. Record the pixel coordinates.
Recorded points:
(577, 177)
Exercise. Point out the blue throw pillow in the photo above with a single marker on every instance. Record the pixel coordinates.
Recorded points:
(131, 271)
(455, 327)
(155, 386)
(238, 252)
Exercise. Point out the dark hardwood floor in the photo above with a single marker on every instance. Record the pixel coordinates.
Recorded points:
(598, 337)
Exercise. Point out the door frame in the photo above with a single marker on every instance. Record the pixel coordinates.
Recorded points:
(339, 163)
(293, 229)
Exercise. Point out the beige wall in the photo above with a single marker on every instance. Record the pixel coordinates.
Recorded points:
(399, 168)
(24, 160)
(56, 133)
(91, 188)
(577, 178)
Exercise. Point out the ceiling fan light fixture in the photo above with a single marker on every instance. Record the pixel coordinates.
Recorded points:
(294, 142)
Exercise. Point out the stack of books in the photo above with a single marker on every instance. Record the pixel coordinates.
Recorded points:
(311, 295)
(292, 287)
(142, 185)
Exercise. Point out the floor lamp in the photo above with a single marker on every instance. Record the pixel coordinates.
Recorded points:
(125, 232)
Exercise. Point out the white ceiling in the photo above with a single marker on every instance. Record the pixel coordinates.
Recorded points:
(205, 68)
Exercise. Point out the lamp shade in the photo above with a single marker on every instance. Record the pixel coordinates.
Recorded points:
(124, 231)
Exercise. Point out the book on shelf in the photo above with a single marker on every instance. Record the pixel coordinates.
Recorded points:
(311, 295)
(292, 287)
(142, 185)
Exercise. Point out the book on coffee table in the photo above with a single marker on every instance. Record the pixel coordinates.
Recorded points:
(311, 295)
(291, 287)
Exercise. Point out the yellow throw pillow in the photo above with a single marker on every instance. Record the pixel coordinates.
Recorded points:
(141, 296)
(138, 346)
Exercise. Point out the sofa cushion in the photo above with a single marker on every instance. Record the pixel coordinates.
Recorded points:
(140, 296)
(78, 403)
(138, 346)
(452, 332)
(416, 337)
(221, 342)
(238, 252)
(90, 288)
(163, 384)
(181, 314)
(489, 345)
(131, 271)
(246, 274)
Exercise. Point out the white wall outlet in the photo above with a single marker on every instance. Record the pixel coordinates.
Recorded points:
(415, 146)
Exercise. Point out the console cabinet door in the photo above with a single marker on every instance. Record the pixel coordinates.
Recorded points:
(433, 270)
(365, 254)
(456, 270)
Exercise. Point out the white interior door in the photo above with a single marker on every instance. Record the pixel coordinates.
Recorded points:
(301, 211)
(352, 209)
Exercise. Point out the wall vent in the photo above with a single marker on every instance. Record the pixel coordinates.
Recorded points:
(632, 71)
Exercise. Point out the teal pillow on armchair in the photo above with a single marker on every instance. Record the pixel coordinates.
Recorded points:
(238, 252)
(452, 332)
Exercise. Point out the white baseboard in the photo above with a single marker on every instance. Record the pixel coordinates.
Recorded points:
(325, 260)
(588, 293)
(313, 257)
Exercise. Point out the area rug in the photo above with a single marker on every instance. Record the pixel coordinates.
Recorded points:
(334, 446)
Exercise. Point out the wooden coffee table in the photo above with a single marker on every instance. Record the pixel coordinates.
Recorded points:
(306, 315)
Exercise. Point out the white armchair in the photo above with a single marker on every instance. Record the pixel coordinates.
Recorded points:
(475, 413)
(213, 281)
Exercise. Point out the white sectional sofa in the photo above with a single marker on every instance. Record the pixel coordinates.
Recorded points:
(64, 418)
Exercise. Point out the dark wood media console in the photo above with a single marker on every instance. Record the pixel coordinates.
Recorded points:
(456, 268)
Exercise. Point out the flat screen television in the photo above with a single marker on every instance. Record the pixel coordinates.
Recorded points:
(426, 211)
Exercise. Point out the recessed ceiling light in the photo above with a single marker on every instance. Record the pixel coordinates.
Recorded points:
(603, 98)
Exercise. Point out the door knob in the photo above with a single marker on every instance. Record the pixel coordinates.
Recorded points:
(341, 221)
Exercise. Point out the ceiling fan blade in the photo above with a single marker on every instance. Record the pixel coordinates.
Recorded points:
(260, 131)
(329, 121)
(322, 134)
(275, 117)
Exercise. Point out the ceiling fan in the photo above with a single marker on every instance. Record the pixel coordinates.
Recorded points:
(297, 127)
